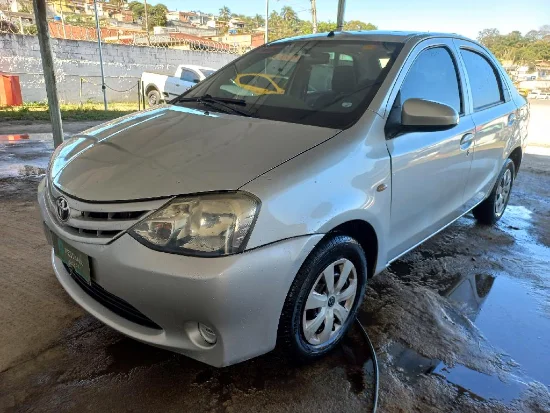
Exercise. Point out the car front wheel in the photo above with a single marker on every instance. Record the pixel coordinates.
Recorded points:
(491, 210)
(323, 299)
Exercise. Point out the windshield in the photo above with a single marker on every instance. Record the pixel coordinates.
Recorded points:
(327, 83)
(207, 72)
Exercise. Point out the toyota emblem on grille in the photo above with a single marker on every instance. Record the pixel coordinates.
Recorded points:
(63, 210)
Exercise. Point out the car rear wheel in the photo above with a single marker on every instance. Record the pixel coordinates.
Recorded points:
(491, 210)
(153, 97)
(323, 299)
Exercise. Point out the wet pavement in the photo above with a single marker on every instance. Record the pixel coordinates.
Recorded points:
(462, 323)
(24, 154)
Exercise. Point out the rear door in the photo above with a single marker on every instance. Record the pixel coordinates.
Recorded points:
(494, 115)
(429, 169)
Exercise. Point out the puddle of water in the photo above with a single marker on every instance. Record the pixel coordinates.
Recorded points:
(508, 313)
(24, 155)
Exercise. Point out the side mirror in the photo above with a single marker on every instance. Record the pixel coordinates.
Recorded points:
(195, 80)
(426, 115)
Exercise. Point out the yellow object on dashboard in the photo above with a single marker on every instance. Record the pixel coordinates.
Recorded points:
(259, 83)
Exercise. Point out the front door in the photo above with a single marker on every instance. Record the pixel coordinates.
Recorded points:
(189, 78)
(173, 87)
(494, 114)
(429, 169)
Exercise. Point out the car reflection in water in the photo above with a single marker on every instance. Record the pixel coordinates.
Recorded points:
(469, 295)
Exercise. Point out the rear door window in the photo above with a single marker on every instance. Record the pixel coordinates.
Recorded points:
(433, 76)
(485, 82)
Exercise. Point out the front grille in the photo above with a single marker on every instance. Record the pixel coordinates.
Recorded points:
(98, 223)
(112, 302)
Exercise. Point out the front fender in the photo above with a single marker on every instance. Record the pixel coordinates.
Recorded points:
(329, 185)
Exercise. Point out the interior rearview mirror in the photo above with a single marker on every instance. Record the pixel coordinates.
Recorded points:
(427, 115)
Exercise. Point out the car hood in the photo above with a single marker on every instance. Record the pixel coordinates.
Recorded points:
(174, 150)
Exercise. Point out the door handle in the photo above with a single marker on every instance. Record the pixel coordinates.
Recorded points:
(467, 141)
(511, 119)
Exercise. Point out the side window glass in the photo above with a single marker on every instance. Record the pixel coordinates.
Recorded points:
(484, 80)
(189, 76)
(433, 76)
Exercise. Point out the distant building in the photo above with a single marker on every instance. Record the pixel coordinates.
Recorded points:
(236, 24)
(191, 17)
(198, 19)
(125, 16)
(242, 42)
(177, 27)
(175, 16)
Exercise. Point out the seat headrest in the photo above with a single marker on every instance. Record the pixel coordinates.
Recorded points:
(344, 80)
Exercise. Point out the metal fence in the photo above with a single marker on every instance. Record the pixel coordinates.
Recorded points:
(126, 36)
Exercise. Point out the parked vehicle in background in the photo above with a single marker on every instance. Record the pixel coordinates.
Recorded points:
(227, 222)
(537, 94)
(161, 88)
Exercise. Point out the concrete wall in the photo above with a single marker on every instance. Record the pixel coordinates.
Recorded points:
(76, 60)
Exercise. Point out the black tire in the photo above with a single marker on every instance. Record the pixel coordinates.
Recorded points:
(485, 212)
(153, 97)
(290, 336)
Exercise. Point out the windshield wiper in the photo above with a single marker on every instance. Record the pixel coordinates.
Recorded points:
(211, 101)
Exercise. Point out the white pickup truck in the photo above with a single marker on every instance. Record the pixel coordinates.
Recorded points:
(160, 88)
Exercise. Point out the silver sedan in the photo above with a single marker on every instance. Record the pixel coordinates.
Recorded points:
(252, 209)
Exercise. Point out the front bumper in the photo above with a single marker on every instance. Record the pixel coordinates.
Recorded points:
(239, 296)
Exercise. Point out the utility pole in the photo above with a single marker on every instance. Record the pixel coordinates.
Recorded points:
(39, 7)
(314, 15)
(146, 21)
(62, 19)
(266, 19)
(340, 16)
(100, 56)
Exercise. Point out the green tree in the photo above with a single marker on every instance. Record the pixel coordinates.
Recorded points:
(518, 49)
(358, 25)
(138, 9)
(323, 27)
(224, 13)
(289, 15)
(258, 20)
(118, 3)
(488, 37)
(30, 29)
(157, 15)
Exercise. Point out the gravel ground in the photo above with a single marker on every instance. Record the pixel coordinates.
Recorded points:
(460, 324)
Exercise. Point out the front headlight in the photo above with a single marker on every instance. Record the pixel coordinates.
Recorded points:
(203, 225)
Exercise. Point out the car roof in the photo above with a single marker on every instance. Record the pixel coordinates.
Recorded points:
(376, 35)
(196, 67)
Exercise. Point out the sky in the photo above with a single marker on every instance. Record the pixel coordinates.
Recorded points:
(466, 17)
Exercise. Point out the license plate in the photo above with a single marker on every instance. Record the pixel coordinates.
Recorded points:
(73, 258)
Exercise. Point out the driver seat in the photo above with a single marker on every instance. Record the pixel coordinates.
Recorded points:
(344, 83)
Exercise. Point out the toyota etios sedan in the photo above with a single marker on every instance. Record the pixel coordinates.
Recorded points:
(233, 218)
